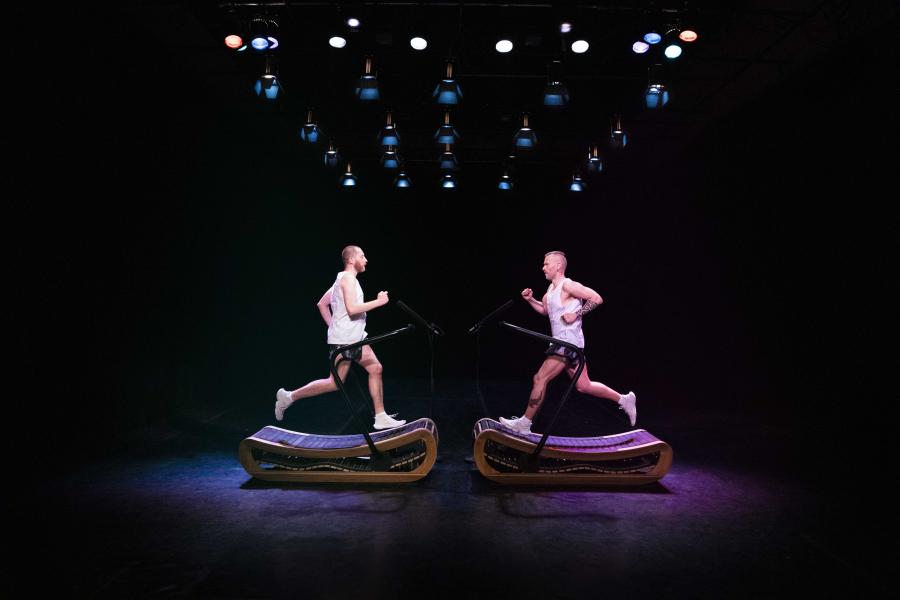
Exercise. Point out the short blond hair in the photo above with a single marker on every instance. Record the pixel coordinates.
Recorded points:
(562, 257)
(349, 253)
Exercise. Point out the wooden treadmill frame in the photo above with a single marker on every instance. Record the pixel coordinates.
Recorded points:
(425, 432)
(655, 474)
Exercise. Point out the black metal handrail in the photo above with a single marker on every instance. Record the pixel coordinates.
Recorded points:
(531, 464)
(340, 384)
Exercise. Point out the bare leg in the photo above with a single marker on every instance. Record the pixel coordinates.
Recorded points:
(594, 388)
(321, 386)
(551, 367)
(373, 367)
(626, 402)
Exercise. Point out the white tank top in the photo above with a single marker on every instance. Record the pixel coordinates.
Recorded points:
(345, 329)
(569, 332)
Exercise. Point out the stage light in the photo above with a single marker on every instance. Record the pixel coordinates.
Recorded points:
(448, 181)
(446, 133)
(418, 43)
(617, 136)
(337, 41)
(353, 23)
(673, 51)
(525, 139)
(556, 95)
(236, 30)
(448, 92)
(367, 86)
(504, 46)
(332, 156)
(652, 38)
(310, 131)
(447, 161)
(594, 163)
(577, 185)
(391, 158)
(580, 46)
(505, 183)
(403, 181)
(656, 95)
(263, 33)
(268, 86)
(389, 136)
(640, 47)
(687, 35)
(565, 27)
(348, 179)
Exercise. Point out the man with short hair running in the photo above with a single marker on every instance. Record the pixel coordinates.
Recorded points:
(565, 302)
(343, 309)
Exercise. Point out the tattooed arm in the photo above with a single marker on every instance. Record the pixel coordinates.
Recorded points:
(591, 300)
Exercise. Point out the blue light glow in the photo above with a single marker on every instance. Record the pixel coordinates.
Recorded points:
(367, 88)
(447, 93)
(525, 138)
(267, 86)
(656, 96)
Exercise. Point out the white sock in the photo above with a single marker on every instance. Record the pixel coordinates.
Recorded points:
(525, 420)
(381, 413)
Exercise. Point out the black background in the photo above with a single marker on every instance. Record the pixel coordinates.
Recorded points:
(177, 241)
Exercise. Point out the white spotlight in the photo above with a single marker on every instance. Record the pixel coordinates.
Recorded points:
(673, 51)
(337, 42)
(504, 46)
(580, 46)
(418, 43)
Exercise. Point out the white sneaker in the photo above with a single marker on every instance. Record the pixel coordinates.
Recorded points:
(517, 424)
(628, 403)
(386, 421)
(282, 401)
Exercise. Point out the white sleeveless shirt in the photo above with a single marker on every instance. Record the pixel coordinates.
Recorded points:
(569, 332)
(345, 329)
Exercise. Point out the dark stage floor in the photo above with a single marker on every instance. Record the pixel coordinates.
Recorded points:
(169, 512)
